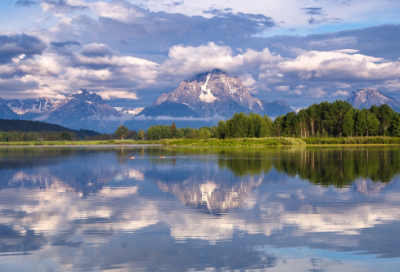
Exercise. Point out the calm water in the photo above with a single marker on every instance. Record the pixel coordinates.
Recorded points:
(283, 209)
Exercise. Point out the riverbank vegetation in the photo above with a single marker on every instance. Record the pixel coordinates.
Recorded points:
(271, 141)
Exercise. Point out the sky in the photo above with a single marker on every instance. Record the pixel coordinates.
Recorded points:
(131, 51)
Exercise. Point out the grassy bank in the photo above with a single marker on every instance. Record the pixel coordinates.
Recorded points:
(352, 140)
(271, 141)
(111, 142)
(249, 142)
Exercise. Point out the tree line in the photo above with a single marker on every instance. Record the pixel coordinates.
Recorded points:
(337, 119)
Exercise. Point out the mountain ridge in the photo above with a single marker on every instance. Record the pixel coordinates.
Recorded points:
(210, 94)
(365, 98)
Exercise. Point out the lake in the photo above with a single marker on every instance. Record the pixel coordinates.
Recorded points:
(200, 209)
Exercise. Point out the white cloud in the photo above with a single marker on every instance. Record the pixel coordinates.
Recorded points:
(340, 93)
(282, 88)
(100, 68)
(112, 94)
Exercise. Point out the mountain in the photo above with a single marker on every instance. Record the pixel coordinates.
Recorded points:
(79, 110)
(276, 108)
(212, 94)
(131, 111)
(6, 112)
(365, 98)
(82, 109)
(205, 99)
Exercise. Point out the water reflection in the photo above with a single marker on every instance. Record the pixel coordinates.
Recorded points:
(288, 209)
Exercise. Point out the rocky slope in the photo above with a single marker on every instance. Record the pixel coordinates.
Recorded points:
(365, 98)
(6, 112)
(84, 110)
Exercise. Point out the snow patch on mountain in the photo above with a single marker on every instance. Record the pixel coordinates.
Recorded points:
(131, 111)
(206, 94)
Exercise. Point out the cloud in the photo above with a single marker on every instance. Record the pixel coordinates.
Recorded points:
(312, 11)
(143, 117)
(25, 3)
(104, 70)
(340, 93)
(64, 44)
(97, 50)
(14, 45)
(315, 21)
(108, 95)
(60, 6)
(120, 23)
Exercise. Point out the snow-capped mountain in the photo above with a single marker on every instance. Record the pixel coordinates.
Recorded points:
(131, 111)
(212, 94)
(365, 98)
(82, 109)
(39, 105)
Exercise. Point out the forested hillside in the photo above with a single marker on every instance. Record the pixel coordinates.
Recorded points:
(36, 126)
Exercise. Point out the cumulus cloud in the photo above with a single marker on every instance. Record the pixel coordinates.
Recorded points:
(120, 49)
(64, 44)
(14, 45)
(340, 93)
(106, 70)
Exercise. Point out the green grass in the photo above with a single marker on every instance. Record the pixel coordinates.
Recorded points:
(271, 141)
(249, 142)
(110, 142)
(352, 140)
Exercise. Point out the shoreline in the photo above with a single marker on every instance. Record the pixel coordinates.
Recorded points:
(233, 142)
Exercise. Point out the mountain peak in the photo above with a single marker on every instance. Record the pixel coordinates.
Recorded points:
(209, 94)
(202, 76)
(365, 98)
(79, 92)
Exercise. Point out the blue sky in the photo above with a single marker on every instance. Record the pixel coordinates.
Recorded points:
(131, 51)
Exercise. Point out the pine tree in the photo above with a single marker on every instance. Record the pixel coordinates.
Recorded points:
(173, 130)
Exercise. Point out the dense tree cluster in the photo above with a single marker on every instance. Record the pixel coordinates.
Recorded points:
(159, 132)
(242, 125)
(338, 119)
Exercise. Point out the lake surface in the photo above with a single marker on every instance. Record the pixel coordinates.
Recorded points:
(278, 209)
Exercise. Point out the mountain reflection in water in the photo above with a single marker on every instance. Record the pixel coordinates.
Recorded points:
(283, 209)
